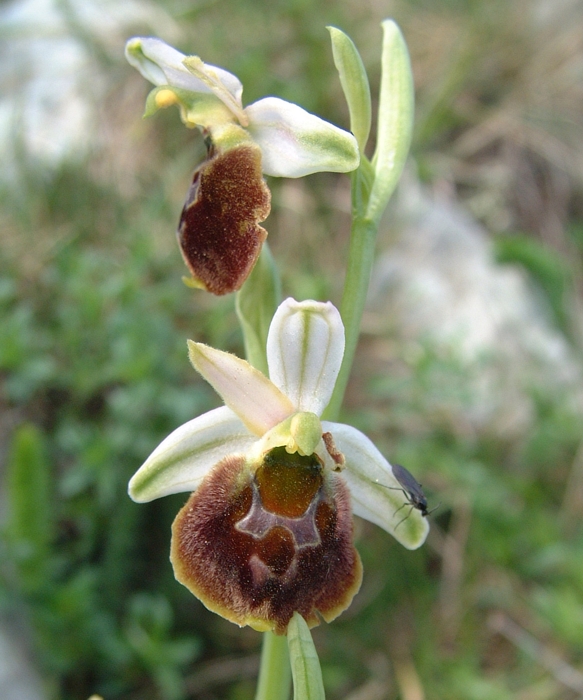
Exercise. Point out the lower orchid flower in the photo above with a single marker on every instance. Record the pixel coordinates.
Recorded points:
(268, 528)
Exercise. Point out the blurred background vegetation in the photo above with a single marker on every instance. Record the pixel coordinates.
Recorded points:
(94, 371)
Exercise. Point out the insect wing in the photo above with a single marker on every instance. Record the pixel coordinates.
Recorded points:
(411, 487)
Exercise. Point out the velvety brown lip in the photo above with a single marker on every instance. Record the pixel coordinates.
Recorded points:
(257, 567)
(219, 233)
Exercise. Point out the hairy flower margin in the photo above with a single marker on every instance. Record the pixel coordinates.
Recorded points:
(267, 530)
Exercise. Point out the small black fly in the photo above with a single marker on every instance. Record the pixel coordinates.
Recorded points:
(412, 491)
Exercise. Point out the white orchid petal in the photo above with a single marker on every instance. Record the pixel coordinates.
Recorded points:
(376, 494)
(182, 460)
(295, 143)
(221, 83)
(162, 64)
(259, 404)
(305, 346)
(230, 81)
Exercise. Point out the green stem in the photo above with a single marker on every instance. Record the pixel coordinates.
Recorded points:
(363, 236)
(275, 671)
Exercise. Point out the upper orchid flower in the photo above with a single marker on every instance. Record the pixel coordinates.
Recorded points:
(268, 529)
(219, 228)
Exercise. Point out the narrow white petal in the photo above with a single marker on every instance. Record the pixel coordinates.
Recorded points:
(183, 459)
(259, 404)
(369, 477)
(222, 84)
(228, 80)
(295, 143)
(305, 346)
(163, 65)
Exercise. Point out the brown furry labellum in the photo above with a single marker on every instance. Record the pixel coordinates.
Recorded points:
(219, 233)
(257, 546)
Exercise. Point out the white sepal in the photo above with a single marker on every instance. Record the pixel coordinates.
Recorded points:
(162, 64)
(376, 494)
(295, 143)
(183, 459)
(305, 346)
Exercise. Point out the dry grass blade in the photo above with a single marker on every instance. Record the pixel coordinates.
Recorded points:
(563, 672)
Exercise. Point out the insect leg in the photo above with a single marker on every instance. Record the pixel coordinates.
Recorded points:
(405, 518)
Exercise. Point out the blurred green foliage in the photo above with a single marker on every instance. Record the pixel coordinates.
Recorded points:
(95, 358)
(94, 374)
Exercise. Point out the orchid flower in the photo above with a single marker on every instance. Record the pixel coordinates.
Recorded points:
(219, 230)
(293, 142)
(268, 528)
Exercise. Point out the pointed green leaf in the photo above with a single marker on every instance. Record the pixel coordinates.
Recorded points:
(256, 303)
(305, 665)
(355, 85)
(395, 123)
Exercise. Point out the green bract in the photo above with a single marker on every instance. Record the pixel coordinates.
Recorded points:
(355, 84)
(395, 121)
(306, 672)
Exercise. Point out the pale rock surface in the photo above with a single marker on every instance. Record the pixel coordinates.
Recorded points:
(438, 286)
